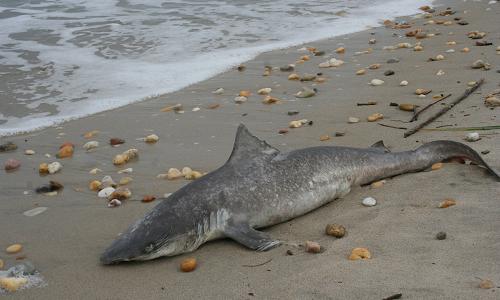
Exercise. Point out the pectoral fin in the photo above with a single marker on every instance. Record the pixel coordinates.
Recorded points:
(249, 237)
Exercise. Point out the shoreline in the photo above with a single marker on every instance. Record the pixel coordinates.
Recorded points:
(65, 241)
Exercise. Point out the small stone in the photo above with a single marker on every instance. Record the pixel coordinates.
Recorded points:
(476, 35)
(288, 68)
(447, 203)
(43, 168)
(472, 137)
(440, 73)
(7, 147)
(65, 151)
(126, 171)
(12, 165)
(335, 62)
(94, 171)
(451, 43)
(54, 167)
(53, 187)
(335, 230)
(148, 198)
(439, 57)
(125, 156)
(404, 45)
(471, 83)
(325, 137)
(174, 173)
(340, 50)
(116, 141)
(492, 101)
(289, 252)
(308, 77)
(125, 180)
(270, 100)
(283, 131)
(407, 107)
(33, 212)
(369, 201)
(114, 203)
(305, 93)
(360, 253)
(377, 184)
(393, 60)
(91, 145)
(374, 66)
(240, 99)
(312, 247)
(29, 152)
(441, 235)
(193, 175)
(478, 64)
(436, 166)
(105, 192)
(361, 72)
(418, 48)
(372, 41)
(177, 108)
(186, 170)
(264, 91)
(90, 134)
(376, 82)
(295, 124)
(108, 181)
(120, 193)
(15, 248)
(1, 264)
(465, 50)
(293, 77)
(188, 264)
(218, 91)
(450, 51)
(12, 284)
(389, 73)
(245, 93)
(486, 284)
(292, 112)
(375, 117)
(339, 133)
(151, 139)
(353, 120)
(403, 83)
(463, 22)
(422, 91)
(95, 185)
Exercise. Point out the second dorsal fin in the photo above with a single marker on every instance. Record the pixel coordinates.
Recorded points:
(248, 146)
(380, 146)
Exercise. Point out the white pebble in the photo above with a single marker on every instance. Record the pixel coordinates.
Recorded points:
(91, 145)
(54, 167)
(369, 201)
(35, 211)
(105, 192)
(218, 91)
(114, 203)
(353, 120)
(240, 99)
(376, 82)
(196, 109)
(126, 171)
(403, 83)
(29, 152)
(95, 171)
(472, 137)
(450, 51)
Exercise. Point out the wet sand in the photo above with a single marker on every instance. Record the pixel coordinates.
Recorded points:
(65, 241)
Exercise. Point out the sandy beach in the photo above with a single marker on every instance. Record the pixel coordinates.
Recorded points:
(65, 241)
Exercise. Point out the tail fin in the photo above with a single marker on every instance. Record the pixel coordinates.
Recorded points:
(438, 151)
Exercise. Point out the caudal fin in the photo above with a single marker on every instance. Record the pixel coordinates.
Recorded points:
(438, 151)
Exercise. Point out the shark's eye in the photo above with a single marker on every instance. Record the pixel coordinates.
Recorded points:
(149, 248)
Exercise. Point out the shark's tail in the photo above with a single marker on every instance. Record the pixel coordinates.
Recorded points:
(438, 151)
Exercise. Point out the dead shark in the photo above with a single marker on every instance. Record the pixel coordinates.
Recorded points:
(259, 186)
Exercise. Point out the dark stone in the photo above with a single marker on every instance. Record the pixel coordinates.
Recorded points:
(463, 22)
(389, 73)
(441, 235)
(392, 60)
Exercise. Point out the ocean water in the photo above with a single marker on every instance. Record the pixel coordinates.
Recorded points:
(65, 59)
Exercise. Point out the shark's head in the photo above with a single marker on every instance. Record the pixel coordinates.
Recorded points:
(157, 234)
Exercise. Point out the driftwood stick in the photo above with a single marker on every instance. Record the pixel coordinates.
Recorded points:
(390, 126)
(445, 109)
(415, 116)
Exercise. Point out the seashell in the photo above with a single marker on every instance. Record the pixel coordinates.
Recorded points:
(360, 253)
(240, 99)
(450, 51)
(308, 77)
(173, 173)
(29, 152)
(90, 134)
(295, 124)
(126, 171)
(403, 83)
(218, 91)
(335, 62)
(374, 66)
(176, 108)
(186, 170)
(54, 167)
(125, 156)
(293, 76)
(476, 35)
(43, 168)
(114, 203)
(353, 120)
(106, 192)
(376, 82)
(340, 50)
(270, 100)
(447, 203)
(125, 180)
(91, 145)
(369, 201)
(31, 213)
(151, 139)
(188, 264)
(148, 198)
(472, 137)
(193, 175)
(422, 91)
(440, 73)
(12, 164)
(12, 284)
(325, 137)
(95, 185)
(492, 101)
(361, 72)
(418, 48)
(335, 230)
(245, 93)
(312, 247)
(264, 91)
(116, 141)
(65, 151)
(486, 284)
(375, 117)
(439, 57)
(120, 193)
(14, 248)
(436, 166)
(404, 45)
(305, 93)
(377, 184)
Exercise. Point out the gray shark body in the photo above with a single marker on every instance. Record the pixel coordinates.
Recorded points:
(259, 186)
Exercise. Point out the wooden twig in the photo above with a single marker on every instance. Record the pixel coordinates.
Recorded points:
(390, 126)
(445, 109)
(258, 265)
(366, 103)
(393, 297)
(438, 128)
(416, 114)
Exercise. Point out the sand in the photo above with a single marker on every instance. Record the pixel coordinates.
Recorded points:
(66, 240)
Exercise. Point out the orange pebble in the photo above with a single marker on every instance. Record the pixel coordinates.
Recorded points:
(188, 264)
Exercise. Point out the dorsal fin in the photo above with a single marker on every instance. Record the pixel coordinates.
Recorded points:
(248, 146)
(380, 146)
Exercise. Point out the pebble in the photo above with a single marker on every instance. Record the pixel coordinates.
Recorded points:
(369, 201)
(12, 164)
(353, 120)
(12, 284)
(441, 235)
(1, 264)
(308, 77)
(120, 193)
(218, 91)
(49, 189)
(270, 100)
(478, 64)
(283, 131)
(54, 167)
(108, 181)
(125, 180)
(148, 198)
(486, 284)
(293, 77)
(440, 73)
(375, 117)
(439, 57)
(325, 137)
(295, 124)
(472, 137)
(335, 230)
(422, 91)
(418, 48)
(377, 184)
(116, 141)
(393, 60)
(335, 62)
(305, 93)
(403, 83)
(7, 147)
(360, 253)
(264, 91)
(436, 166)
(195, 109)
(450, 51)
(125, 156)
(374, 66)
(361, 72)
(114, 203)
(372, 41)
(186, 170)
(193, 175)
(240, 99)
(492, 101)
(14, 248)
(188, 264)
(407, 107)
(29, 152)
(105, 192)
(312, 247)
(65, 151)
(151, 139)
(91, 145)
(95, 185)
(33, 212)
(95, 171)
(245, 93)
(126, 171)
(340, 50)
(465, 50)
(404, 45)
(447, 203)
(90, 134)
(471, 83)
(339, 133)
(174, 173)
(376, 82)
(389, 73)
